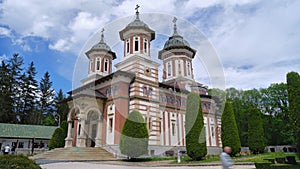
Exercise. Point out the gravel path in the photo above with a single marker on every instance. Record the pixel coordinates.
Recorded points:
(95, 165)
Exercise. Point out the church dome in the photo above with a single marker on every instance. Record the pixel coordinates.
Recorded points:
(176, 41)
(101, 45)
(137, 25)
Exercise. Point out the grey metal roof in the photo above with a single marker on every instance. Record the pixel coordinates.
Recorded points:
(137, 23)
(176, 40)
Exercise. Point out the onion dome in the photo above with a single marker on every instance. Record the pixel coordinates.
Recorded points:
(137, 24)
(102, 46)
(177, 41)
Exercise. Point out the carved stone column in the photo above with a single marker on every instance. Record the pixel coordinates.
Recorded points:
(98, 140)
(69, 139)
(82, 137)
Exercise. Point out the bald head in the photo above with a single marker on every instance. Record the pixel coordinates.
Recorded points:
(227, 150)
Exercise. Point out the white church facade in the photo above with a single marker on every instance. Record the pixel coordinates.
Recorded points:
(98, 109)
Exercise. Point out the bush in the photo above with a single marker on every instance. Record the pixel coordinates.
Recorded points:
(280, 160)
(263, 165)
(291, 160)
(58, 139)
(17, 162)
(271, 160)
(64, 126)
(255, 132)
(194, 128)
(229, 131)
(134, 138)
(280, 166)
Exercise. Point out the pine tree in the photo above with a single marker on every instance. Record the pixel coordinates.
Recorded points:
(46, 101)
(134, 138)
(194, 128)
(255, 132)
(61, 108)
(229, 131)
(293, 82)
(15, 64)
(6, 102)
(30, 113)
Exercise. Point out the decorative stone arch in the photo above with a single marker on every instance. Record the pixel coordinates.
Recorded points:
(93, 127)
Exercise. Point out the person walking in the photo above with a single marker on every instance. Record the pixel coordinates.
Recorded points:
(227, 162)
(6, 149)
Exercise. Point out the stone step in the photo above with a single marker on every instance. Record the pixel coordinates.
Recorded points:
(75, 153)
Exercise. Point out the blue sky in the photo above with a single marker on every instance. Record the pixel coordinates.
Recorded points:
(256, 41)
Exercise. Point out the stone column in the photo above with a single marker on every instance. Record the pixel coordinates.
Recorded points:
(75, 132)
(68, 140)
(81, 138)
(98, 140)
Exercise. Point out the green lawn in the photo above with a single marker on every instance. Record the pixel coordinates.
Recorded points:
(245, 158)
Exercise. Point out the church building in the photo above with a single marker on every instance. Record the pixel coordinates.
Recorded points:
(98, 109)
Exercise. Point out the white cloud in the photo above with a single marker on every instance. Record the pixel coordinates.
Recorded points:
(61, 45)
(5, 32)
(252, 37)
(253, 46)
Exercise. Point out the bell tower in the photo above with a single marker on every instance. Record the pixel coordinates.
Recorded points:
(100, 60)
(177, 56)
(144, 90)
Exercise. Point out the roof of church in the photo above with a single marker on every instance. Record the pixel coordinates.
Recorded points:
(177, 41)
(137, 23)
(102, 46)
(26, 131)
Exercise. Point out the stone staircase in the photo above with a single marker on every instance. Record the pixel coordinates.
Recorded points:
(75, 154)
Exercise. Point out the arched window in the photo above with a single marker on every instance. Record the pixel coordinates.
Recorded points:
(145, 45)
(127, 46)
(106, 65)
(136, 44)
(98, 64)
(150, 90)
(169, 69)
(188, 69)
(91, 65)
(144, 91)
(179, 67)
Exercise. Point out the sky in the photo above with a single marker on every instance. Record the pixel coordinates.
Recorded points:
(245, 43)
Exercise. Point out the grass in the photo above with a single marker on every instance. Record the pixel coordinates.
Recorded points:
(239, 159)
(188, 160)
(261, 157)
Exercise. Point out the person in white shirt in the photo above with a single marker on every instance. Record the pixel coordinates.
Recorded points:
(6, 149)
(227, 162)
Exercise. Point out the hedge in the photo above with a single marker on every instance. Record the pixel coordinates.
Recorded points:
(17, 162)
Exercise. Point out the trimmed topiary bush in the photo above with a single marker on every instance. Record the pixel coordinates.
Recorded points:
(229, 131)
(256, 138)
(134, 138)
(57, 140)
(17, 162)
(64, 126)
(194, 128)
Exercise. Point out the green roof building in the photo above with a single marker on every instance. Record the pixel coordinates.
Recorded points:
(22, 136)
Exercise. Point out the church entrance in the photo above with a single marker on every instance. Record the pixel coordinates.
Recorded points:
(92, 128)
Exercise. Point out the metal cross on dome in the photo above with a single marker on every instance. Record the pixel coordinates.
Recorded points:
(102, 35)
(137, 8)
(174, 20)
